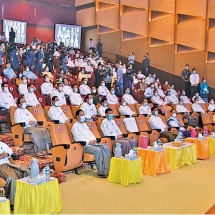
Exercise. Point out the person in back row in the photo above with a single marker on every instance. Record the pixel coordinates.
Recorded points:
(111, 97)
(75, 97)
(81, 132)
(128, 97)
(30, 97)
(84, 89)
(22, 89)
(102, 107)
(109, 128)
(103, 90)
(125, 110)
(59, 93)
(144, 108)
(46, 87)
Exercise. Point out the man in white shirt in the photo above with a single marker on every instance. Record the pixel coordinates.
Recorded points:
(149, 91)
(66, 88)
(194, 81)
(30, 97)
(84, 88)
(111, 97)
(160, 91)
(6, 100)
(196, 107)
(199, 97)
(156, 122)
(81, 132)
(173, 91)
(88, 67)
(59, 93)
(183, 96)
(23, 86)
(124, 110)
(46, 87)
(56, 113)
(75, 98)
(128, 97)
(149, 79)
(89, 109)
(102, 107)
(38, 135)
(211, 106)
(170, 98)
(110, 128)
(103, 90)
(180, 108)
(144, 108)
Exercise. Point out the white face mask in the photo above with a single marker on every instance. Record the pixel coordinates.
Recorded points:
(91, 101)
(212, 102)
(124, 103)
(174, 115)
(57, 104)
(60, 89)
(94, 91)
(75, 90)
(24, 105)
(5, 89)
(47, 79)
(0, 81)
(24, 81)
(103, 84)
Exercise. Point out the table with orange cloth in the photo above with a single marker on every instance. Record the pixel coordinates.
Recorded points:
(180, 156)
(212, 144)
(153, 162)
(202, 147)
(125, 171)
(5, 207)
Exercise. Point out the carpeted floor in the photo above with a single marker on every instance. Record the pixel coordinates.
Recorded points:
(190, 189)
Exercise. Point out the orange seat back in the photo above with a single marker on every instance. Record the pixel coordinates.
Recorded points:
(188, 106)
(38, 113)
(93, 128)
(74, 109)
(12, 111)
(206, 119)
(67, 111)
(142, 123)
(121, 125)
(114, 109)
(132, 107)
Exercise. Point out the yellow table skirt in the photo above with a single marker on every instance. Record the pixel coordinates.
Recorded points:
(154, 162)
(5, 207)
(125, 171)
(180, 156)
(202, 147)
(212, 145)
(37, 199)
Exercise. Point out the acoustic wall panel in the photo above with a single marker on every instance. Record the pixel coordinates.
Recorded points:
(167, 6)
(86, 17)
(211, 43)
(110, 1)
(211, 8)
(83, 2)
(135, 3)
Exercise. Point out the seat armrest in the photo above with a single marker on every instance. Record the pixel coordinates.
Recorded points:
(137, 133)
(117, 117)
(56, 121)
(127, 116)
(158, 130)
(83, 143)
(98, 140)
(71, 120)
(169, 129)
(111, 137)
(66, 146)
(15, 157)
(40, 122)
(22, 124)
(125, 135)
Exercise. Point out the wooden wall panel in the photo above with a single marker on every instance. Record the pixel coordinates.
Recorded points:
(83, 2)
(108, 17)
(135, 22)
(211, 43)
(211, 8)
(163, 28)
(192, 7)
(86, 35)
(109, 1)
(209, 73)
(135, 3)
(192, 34)
(167, 6)
(86, 17)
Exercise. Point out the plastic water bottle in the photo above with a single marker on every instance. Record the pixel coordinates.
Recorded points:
(159, 142)
(47, 172)
(134, 152)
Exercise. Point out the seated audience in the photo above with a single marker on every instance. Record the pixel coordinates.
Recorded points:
(128, 97)
(102, 107)
(75, 98)
(111, 97)
(29, 74)
(149, 91)
(22, 89)
(66, 88)
(144, 108)
(183, 96)
(96, 97)
(30, 97)
(160, 91)
(84, 89)
(59, 93)
(211, 106)
(8, 71)
(46, 87)
(124, 110)
(196, 107)
(103, 90)
(199, 97)
(171, 98)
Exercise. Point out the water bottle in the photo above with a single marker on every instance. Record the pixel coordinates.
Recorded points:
(134, 152)
(47, 172)
(159, 142)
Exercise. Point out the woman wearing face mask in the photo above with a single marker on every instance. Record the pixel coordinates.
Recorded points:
(211, 106)
(19, 79)
(103, 107)
(166, 86)
(47, 72)
(81, 74)
(160, 91)
(22, 89)
(204, 90)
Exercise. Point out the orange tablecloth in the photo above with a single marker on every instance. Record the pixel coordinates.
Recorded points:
(202, 147)
(154, 162)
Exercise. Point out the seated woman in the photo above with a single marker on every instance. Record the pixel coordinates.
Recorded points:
(211, 106)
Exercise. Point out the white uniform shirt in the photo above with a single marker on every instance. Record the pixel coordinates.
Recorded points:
(197, 108)
(149, 80)
(84, 89)
(186, 100)
(89, 110)
(31, 99)
(172, 99)
(211, 107)
(112, 99)
(157, 100)
(181, 109)
(161, 93)
(56, 113)
(7, 100)
(22, 89)
(110, 128)
(23, 115)
(129, 99)
(81, 132)
(148, 92)
(67, 90)
(200, 99)
(60, 95)
(156, 122)
(173, 91)
(88, 68)
(101, 110)
(103, 91)
(194, 79)
(4, 148)
(125, 110)
(46, 88)
(75, 99)
(145, 110)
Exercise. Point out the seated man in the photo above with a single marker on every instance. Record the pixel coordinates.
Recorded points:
(103, 107)
(156, 122)
(89, 109)
(96, 97)
(128, 97)
(110, 128)
(196, 107)
(38, 135)
(149, 91)
(75, 98)
(171, 98)
(29, 74)
(22, 89)
(30, 97)
(8, 72)
(144, 108)
(173, 91)
(173, 122)
(59, 93)
(81, 132)
(111, 97)
(9, 173)
(184, 97)
(199, 97)
(66, 88)
(56, 113)
(125, 110)
(103, 90)
(211, 106)
(149, 80)
(46, 87)
(84, 88)
(6, 100)
(160, 91)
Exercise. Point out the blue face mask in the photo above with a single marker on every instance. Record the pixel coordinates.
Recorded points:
(145, 104)
(9, 67)
(20, 75)
(128, 91)
(110, 116)
(82, 119)
(105, 105)
(181, 103)
(156, 113)
(169, 94)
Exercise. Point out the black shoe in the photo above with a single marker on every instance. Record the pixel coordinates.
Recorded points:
(102, 176)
